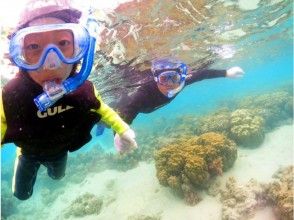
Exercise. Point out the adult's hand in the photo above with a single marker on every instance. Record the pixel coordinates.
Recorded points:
(235, 72)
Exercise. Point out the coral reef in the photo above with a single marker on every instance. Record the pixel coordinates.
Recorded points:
(187, 169)
(144, 217)
(190, 163)
(86, 204)
(216, 122)
(246, 128)
(289, 106)
(240, 202)
(123, 162)
(280, 193)
(273, 107)
(184, 124)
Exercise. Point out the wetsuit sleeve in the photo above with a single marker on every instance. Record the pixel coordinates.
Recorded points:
(110, 117)
(147, 98)
(3, 119)
(205, 74)
(128, 107)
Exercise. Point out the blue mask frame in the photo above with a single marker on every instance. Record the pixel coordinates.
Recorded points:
(53, 92)
(81, 42)
(181, 70)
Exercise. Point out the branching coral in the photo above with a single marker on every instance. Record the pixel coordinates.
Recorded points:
(189, 163)
(247, 128)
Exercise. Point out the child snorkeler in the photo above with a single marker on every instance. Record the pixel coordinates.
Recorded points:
(49, 108)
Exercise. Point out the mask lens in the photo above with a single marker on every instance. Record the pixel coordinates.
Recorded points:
(170, 77)
(34, 45)
(30, 46)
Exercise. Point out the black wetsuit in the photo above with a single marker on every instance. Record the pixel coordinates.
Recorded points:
(148, 98)
(65, 126)
(44, 138)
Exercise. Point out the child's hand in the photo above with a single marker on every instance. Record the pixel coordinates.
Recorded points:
(125, 142)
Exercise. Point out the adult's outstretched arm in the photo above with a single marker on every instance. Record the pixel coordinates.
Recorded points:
(198, 75)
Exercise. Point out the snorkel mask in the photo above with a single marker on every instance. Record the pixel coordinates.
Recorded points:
(168, 71)
(51, 56)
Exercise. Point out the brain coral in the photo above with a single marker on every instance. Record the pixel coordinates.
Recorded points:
(247, 128)
(189, 163)
(272, 107)
(216, 122)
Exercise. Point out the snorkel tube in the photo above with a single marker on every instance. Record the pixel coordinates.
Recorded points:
(53, 91)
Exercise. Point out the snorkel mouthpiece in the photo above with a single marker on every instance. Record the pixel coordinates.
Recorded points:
(173, 92)
(54, 91)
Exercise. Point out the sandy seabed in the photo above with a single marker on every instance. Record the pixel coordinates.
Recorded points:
(138, 192)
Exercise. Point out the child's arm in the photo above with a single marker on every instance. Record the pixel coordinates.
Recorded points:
(110, 117)
(124, 139)
(3, 119)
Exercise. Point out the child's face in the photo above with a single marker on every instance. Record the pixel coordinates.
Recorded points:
(35, 43)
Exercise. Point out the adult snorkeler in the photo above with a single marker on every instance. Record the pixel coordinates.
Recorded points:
(170, 77)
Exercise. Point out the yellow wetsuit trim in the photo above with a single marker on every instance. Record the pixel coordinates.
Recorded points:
(110, 117)
(3, 118)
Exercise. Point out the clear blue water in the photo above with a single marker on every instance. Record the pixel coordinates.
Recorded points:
(205, 95)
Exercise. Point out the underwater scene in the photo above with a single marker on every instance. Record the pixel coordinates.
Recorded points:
(222, 149)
